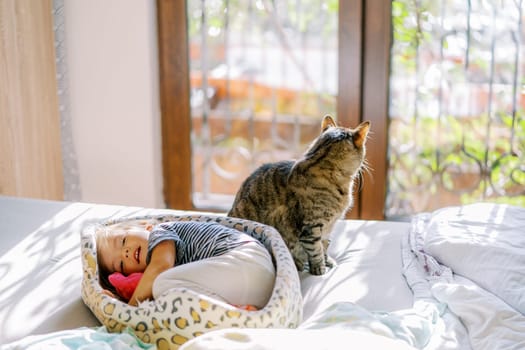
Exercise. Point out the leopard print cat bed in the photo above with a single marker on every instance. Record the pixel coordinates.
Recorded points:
(182, 314)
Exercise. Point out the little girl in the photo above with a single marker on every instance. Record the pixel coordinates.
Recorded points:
(206, 257)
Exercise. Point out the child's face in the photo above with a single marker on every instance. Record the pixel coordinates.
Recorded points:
(125, 252)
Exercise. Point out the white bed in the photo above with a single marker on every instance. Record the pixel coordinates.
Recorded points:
(366, 298)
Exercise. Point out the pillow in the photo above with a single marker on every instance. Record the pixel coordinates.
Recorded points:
(182, 314)
(484, 242)
(125, 285)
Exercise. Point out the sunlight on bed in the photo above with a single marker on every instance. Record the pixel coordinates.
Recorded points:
(40, 271)
(39, 274)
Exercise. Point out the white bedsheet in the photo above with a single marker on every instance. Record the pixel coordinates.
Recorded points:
(446, 281)
(368, 271)
(471, 259)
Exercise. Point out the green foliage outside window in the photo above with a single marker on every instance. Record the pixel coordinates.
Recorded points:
(435, 147)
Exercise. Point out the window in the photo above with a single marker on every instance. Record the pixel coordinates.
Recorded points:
(272, 70)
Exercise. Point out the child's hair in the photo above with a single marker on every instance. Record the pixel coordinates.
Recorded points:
(101, 240)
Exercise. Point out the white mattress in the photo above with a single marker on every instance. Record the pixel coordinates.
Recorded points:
(369, 270)
(40, 269)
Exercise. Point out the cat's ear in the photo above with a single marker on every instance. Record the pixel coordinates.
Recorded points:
(328, 122)
(360, 134)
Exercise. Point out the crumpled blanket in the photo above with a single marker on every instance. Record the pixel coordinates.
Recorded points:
(413, 326)
(471, 259)
(340, 326)
(83, 338)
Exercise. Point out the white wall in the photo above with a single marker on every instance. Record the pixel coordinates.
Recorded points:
(111, 53)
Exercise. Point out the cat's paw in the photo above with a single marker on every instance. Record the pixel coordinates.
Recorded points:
(319, 269)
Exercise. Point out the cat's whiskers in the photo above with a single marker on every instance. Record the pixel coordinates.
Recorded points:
(365, 167)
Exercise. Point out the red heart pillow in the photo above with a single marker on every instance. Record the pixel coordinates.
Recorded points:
(125, 285)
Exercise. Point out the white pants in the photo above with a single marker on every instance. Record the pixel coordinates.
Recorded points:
(243, 276)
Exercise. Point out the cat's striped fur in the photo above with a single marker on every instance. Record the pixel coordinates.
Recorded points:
(303, 199)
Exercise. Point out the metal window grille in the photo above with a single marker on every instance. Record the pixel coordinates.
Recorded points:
(457, 126)
(263, 74)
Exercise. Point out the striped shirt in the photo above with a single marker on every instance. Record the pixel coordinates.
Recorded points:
(196, 240)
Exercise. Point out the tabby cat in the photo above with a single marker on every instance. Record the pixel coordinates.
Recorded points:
(303, 199)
